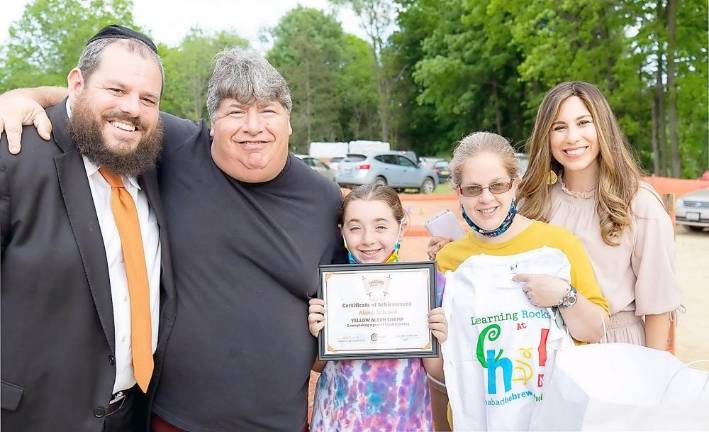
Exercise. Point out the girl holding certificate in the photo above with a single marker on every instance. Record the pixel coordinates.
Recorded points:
(379, 394)
(502, 280)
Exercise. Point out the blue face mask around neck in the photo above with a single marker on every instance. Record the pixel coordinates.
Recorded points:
(493, 232)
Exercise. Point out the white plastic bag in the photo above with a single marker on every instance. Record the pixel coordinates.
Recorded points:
(621, 386)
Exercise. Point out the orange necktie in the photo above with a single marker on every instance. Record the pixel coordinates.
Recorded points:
(126, 216)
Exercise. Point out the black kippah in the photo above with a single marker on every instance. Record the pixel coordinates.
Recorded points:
(120, 32)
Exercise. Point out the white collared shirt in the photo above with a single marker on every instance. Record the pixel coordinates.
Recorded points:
(101, 194)
(120, 298)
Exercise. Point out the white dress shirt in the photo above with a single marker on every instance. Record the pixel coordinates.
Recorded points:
(101, 194)
(120, 298)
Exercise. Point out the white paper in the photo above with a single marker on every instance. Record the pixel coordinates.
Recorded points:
(445, 225)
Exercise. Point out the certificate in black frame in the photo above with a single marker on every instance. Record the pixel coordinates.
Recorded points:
(369, 306)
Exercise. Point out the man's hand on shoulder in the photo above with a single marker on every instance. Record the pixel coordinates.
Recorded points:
(23, 107)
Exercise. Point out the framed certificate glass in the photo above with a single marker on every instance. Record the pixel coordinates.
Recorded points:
(377, 311)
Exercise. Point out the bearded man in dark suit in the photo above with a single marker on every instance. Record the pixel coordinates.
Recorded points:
(86, 274)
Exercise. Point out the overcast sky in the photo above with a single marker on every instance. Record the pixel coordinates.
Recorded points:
(169, 20)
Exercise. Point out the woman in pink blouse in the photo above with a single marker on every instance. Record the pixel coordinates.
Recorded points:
(582, 176)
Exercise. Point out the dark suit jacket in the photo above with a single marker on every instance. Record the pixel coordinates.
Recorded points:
(58, 347)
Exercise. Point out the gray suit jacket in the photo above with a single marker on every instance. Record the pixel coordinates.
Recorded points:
(58, 347)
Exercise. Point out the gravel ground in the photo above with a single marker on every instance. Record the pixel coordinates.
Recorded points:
(693, 271)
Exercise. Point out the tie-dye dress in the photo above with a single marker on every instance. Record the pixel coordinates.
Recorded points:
(372, 395)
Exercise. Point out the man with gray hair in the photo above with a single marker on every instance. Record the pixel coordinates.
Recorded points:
(85, 264)
(249, 224)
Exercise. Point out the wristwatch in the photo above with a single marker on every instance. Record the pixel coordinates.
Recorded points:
(569, 298)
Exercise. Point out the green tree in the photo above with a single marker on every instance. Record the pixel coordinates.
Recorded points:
(376, 18)
(357, 90)
(622, 47)
(691, 81)
(672, 85)
(187, 69)
(462, 50)
(469, 71)
(415, 125)
(307, 50)
(672, 77)
(571, 40)
(46, 41)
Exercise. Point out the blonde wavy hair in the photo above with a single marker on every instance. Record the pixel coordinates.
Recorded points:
(619, 175)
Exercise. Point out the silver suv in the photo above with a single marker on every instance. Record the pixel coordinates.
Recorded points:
(388, 168)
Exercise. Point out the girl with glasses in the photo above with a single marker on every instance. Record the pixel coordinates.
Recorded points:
(502, 280)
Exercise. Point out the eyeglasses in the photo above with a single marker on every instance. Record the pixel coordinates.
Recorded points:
(496, 188)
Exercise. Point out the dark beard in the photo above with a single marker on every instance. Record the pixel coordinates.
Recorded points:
(85, 131)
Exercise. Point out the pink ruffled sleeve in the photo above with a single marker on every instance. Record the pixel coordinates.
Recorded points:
(653, 258)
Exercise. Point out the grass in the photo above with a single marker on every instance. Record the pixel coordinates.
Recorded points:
(443, 188)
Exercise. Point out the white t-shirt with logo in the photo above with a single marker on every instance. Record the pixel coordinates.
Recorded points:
(499, 345)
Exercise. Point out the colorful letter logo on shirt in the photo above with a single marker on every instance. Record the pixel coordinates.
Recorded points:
(491, 362)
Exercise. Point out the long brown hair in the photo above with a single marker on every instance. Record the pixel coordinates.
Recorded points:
(619, 175)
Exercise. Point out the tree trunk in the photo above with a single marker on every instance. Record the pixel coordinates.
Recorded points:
(197, 96)
(658, 103)
(671, 85)
(355, 122)
(498, 112)
(605, 36)
(375, 17)
(308, 110)
(383, 101)
(655, 146)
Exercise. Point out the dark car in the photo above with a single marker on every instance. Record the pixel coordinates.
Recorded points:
(442, 170)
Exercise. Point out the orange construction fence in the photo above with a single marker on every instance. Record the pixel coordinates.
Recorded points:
(421, 207)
